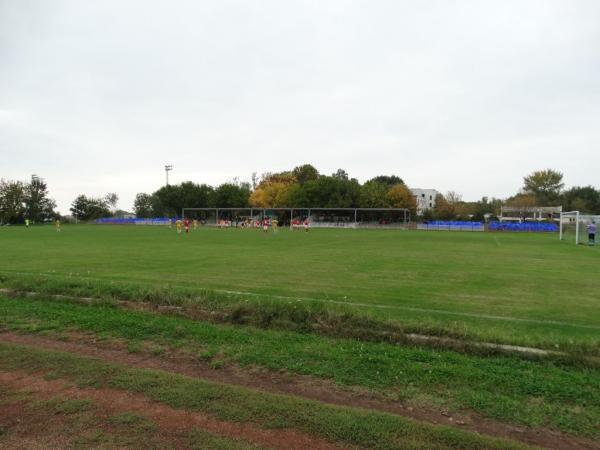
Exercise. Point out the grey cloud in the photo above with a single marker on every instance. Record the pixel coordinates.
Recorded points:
(461, 95)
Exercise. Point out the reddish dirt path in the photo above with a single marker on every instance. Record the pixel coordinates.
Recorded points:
(27, 422)
(166, 418)
(302, 386)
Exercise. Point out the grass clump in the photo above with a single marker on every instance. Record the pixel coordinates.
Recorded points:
(201, 440)
(69, 406)
(133, 421)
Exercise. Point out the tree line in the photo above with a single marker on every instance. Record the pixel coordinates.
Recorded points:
(540, 188)
(301, 187)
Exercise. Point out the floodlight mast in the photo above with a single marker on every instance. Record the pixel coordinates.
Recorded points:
(168, 168)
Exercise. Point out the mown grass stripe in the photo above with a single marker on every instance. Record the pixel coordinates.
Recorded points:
(349, 303)
(341, 319)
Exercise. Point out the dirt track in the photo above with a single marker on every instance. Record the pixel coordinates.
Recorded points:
(166, 418)
(303, 386)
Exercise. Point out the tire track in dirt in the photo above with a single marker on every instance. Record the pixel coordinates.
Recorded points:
(166, 418)
(302, 386)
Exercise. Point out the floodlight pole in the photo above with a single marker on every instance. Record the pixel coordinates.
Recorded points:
(168, 168)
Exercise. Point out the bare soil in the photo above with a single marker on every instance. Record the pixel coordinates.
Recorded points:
(168, 420)
(297, 385)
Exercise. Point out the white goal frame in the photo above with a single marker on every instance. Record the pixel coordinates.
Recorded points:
(579, 220)
(353, 215)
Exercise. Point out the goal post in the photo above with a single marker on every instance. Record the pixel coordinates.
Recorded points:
(574, 226)
(318, 217)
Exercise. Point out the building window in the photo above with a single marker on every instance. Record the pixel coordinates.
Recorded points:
(430, 197)
(423, 195)
(430, 205)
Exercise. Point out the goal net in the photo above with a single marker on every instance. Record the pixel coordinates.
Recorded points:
(216, 216)
(575, 227)
(316, 217)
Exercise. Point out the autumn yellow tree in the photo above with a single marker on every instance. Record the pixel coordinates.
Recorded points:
(522, 199)
(400, 196)
(273, 191)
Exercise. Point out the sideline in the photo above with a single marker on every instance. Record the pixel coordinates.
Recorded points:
(412, 337)
(324, 300)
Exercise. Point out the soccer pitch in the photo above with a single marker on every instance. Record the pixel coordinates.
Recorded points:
(527, 289)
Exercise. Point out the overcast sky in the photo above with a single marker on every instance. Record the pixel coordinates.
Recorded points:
(470, 96)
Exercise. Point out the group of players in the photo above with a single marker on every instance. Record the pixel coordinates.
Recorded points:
(265, 224)
(56, 224)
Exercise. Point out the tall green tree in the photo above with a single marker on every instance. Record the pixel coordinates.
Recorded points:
(38, 205)
(111, 199)
(388, 180)
(170, 200)
(373, 194)
(341, 174)
(305, 173)
(546, 185)
(581, 198)
(12, 201)
(142, 205)
(232, 195)
(89, 208)
(326, 192)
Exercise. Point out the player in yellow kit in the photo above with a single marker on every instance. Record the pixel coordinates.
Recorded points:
(178, 226)
(57, 225)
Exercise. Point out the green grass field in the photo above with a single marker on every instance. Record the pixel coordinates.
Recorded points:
(331, 305)
(526, 289)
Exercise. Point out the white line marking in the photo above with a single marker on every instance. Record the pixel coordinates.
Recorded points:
(336, 302)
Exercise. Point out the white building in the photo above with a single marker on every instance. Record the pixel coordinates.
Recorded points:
(425, 199)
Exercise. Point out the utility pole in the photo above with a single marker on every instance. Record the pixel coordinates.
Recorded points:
(168, 168)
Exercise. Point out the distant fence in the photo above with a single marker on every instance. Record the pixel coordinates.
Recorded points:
(440, 225)
(528, 227)
(132, 221)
